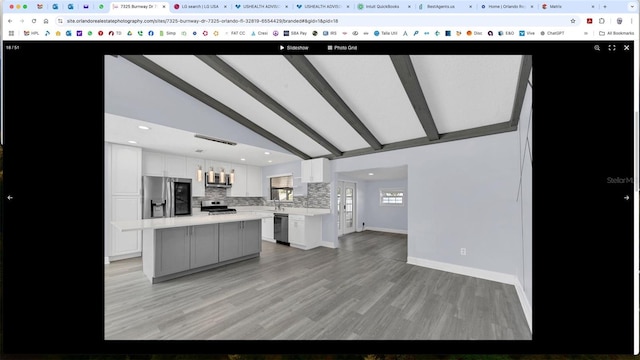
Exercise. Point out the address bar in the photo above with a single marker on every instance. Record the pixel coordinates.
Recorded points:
(193, 20)
(382, 20)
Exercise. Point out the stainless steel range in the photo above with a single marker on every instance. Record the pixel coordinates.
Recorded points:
(216, 208)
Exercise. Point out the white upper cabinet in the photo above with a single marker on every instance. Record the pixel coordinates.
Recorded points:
(247, 181)
(125, 170)
(159, 164)
(316, 170)
(175, 166)
(239, 186)
(197, 187)
(254, 181)
(152, 163)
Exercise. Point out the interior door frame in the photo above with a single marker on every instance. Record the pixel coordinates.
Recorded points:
(342, 184)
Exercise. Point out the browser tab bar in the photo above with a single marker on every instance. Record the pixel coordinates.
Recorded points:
(139, 8)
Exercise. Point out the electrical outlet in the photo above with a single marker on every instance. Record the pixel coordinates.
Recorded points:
(463, 251)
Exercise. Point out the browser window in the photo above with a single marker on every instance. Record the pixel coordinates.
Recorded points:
(502, 256)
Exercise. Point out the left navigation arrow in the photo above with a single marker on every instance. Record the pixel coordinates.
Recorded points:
(9, 197)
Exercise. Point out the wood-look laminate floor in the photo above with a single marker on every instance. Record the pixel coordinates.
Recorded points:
(362, 291)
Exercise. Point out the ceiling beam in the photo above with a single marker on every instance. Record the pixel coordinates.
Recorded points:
(521, 88)
(407, 74)
(454, 135)
(172, 79)
(245, 84)
(309, 72)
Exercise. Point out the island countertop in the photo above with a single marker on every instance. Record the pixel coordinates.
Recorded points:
(179, 221)
(286, 210)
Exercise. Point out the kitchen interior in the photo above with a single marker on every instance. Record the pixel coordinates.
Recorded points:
(196, 205)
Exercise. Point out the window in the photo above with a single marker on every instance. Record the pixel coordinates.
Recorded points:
(391, 197)
(282, 188)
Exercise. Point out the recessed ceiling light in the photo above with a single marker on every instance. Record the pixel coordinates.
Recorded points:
(243, 159)
(370, 174)
(269, 161)
(132, 142)
(143, 127)
(267, 153)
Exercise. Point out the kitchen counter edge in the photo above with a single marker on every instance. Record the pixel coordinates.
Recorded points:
(172, 222)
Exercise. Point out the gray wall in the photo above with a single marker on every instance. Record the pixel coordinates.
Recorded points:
(463, 194)
(385, 217)
(525, 195)
(135, 93)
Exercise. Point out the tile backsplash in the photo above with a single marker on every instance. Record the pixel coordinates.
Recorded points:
(220, 194)
(318, 197)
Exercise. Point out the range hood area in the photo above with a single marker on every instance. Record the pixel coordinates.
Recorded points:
(227, 183)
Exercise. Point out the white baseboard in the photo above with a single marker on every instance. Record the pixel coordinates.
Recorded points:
(106, 260)
(269, 240)
(463, 270)
(328, 244)
(125, 256)
(481, 274)
(395, 231)
(526, 306)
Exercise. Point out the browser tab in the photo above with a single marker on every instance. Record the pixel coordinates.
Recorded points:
(139, 8)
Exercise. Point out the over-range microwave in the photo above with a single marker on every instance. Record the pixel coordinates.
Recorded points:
(216, 180)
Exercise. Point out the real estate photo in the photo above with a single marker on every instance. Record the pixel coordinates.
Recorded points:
(318, 197)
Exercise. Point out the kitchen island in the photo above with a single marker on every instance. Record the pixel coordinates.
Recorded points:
(178, 246)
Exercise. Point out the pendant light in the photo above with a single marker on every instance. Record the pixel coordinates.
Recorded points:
(232, 176)
(212, 176)
(222, 179)
(199, 173)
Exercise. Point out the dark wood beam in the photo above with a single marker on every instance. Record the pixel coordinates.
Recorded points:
(243, 83)
(422, 141)
(172, 79)
(407, 74)
(521, 88)
(309, 72)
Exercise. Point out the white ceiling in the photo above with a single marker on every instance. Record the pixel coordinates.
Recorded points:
(379, 101)
(274, 75)
(462, 92)
(121, 130)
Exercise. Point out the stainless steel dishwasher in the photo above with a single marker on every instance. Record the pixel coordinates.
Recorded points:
(281, 228)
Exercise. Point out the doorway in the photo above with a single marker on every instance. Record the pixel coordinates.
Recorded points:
(346, 205)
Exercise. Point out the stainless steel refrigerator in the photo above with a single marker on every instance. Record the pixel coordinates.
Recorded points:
(165, 197)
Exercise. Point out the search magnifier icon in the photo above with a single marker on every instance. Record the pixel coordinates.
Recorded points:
(596, 48)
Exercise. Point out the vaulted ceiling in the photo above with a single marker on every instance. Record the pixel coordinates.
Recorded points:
(347, 105)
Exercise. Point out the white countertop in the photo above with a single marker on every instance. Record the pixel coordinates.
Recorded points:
(287, 210)
(180, 221)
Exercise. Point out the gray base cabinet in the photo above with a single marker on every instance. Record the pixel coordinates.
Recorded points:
(251, 237)
(185, 250)
(240, 239)
(204, 245)
(230, 240)
(172, 251)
